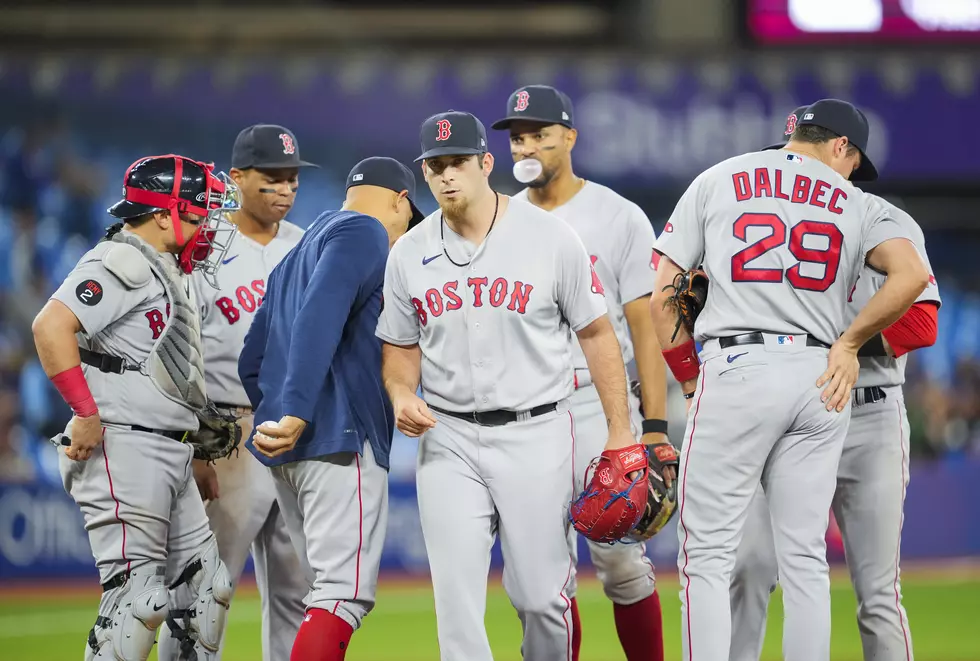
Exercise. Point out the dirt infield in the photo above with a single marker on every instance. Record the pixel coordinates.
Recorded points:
(951, 570)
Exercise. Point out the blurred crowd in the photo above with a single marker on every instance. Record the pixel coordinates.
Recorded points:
(52, 209)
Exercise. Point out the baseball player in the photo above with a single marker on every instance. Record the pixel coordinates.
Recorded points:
(240, 494)
(782, 238)
(619, 238)
(312, 369)
(871, 478)
(120, 339)
(481, 302)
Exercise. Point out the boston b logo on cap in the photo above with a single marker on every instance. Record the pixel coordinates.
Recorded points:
(452, 133)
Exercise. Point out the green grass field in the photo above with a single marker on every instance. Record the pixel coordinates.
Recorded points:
(944, 610)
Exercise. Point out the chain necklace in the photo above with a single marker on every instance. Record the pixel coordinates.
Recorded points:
(442, 230)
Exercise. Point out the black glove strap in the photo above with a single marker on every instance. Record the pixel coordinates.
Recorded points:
(654, 426)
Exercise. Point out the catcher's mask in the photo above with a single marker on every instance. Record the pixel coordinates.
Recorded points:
(181, 185)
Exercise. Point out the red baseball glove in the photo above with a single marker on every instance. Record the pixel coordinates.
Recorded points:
(613, 502)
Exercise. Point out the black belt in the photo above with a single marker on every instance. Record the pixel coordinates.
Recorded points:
(498, 417)
(757, 338)
(231, 407)
(169, 433)
(105, 362)
(868, 395)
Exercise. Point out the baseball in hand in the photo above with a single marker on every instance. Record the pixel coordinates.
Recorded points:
(527, 170)
(271, 424)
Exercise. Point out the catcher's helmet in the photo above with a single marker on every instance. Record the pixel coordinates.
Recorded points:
(148, 187)
(179, 185)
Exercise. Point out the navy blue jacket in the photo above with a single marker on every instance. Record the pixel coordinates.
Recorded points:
(311, 351)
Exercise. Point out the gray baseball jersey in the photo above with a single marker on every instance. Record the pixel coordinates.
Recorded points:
(122, 322)
(782, 238)
(619, 239)
(887, 371)
(496, 333)
(226, 313)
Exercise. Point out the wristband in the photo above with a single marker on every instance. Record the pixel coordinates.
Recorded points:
(689, 395)
(73, 388)
(654, 426)
(683, 361)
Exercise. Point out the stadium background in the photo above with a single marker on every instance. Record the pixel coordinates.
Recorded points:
(662, 90)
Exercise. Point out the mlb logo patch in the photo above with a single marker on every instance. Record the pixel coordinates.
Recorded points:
(784, 339)
(357, 177)
(793, 158)
(808, 116)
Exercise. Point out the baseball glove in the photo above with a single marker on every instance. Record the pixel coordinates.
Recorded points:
(690, 293)
(612, 502)
(218, 436)
(661, 501)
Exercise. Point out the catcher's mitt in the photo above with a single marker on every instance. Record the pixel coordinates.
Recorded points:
(218, 436)
(612, 503)
(690, 293)
(661, 501)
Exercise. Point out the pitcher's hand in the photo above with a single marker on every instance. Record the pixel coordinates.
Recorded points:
(840, 377)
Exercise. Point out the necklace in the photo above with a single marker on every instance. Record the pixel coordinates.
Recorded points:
(442, 230)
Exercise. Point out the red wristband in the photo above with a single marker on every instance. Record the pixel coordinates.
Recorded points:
(74, 390)
(683, 361)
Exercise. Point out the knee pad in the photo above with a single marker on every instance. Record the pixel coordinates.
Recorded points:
(134, 605)
(624, 571)
(200, 599)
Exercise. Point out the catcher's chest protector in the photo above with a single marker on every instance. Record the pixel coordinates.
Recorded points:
(176, 363)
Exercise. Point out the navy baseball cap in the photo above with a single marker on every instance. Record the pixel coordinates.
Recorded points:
(452, 133)
(267, 147)
(386, 173)
(846, 120)
(537, 103)
(791, 121)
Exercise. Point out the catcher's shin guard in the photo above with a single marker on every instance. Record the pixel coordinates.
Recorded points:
(200, 598)
(134, 605)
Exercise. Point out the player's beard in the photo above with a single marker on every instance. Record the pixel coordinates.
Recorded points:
(454, 208)
(547, 174)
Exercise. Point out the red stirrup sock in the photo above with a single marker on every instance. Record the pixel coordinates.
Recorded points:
(641, 629)
(322, 637)
(576, 630)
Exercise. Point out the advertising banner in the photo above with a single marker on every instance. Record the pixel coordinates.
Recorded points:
(42, 536)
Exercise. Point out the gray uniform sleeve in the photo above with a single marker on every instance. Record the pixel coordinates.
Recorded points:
(636, 266)
(96, 296)
(880, 226)
(683, 237)
(581, 299)
(399, 322)
(931, 292)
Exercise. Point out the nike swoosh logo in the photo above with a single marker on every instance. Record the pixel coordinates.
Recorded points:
(731, 359)
(156, 608)
(225, 261)
(426, 260)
